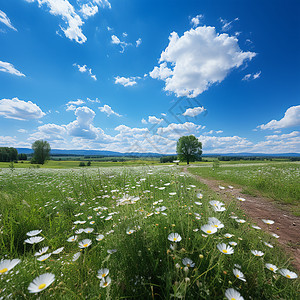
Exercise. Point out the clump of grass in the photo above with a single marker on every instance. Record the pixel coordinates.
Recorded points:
(135, 210)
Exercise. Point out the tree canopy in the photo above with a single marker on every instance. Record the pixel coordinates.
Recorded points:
(41, 152)
(189, 148)
(8, 154)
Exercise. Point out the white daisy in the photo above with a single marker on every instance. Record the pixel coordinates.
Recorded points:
(271, 267)
(174, 237)
(99, 237)
(102, 273)
(88, 230)
(33, 232)
(270, 222)
(7, 264)
(130, 231)
(42, 251)
(72, 238)
(85, 243)
(209, 229)
(241, 199)
(225, 249)
(41, 282)
(257, 253)
(188, 262)
(76, 256)
(215, 222)
(44, 257)
(232, 294)
(232, 243)
(198, 203)
(255, 227)
(57, 251)
(268, 245)
(105, 282)
(288, 274)
(238, 274)
(34, 240)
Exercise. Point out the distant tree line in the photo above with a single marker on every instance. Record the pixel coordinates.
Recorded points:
(167, 159)
(8, 154)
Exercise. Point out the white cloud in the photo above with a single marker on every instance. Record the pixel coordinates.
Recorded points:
(5, 20)
(103, 3)
(196, 20)
(130, 81)
(291, 119)
(22, 130)
(144, 121)
(9, 68)
(52, 129)
(85, 69)
(20, 110)
(198, 59)
(174, 130)
(116, 41)
(138, 42)
(154, 120)
(93, 101)
(82, 127)
(77, 102)
(227, 25)
(88, 10)
(108, 110)
(193, 112)
(253, 76)
(127, 130)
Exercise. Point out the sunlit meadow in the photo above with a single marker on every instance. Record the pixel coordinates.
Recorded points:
(131, 233)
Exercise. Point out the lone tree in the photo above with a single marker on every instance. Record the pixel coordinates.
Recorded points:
(189, 148)
(41, 152)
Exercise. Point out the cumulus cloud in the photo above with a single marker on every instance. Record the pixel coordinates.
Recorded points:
(85, 69)
(88, 10)
(196, 20)
(9, 68)
(116, 41)
(108, 110)
(73, 22)
(291, 119)
(193, 112)
(72, 105)
(253, 76)
(130, 81)
(154, 120)
(5, 20)
(201, 57)
(138, 42)
(82, 127)
(19, 109)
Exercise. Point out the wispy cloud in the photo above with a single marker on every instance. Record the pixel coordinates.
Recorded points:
(227, 25)
(108, 110)
(252, 76)
(85, 69)
(5, 20)
(9, 68)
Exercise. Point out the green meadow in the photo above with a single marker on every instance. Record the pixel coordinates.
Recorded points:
(131, 233)
(279, 181)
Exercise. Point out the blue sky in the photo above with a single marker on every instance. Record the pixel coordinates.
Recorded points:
(135, 75)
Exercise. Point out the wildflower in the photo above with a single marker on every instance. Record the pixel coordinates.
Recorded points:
(79, 222)
(215, 203)
(225, 249)
(232, 294)
(288, 274)
(271, 267)
(42, 251)
(215, 222)
(41, 282)
(108, 218)
(88, 230)
(188, 262)
(199, 196)
(174, 237)
(240, 220)
(232, 243)
(44, 257)
(268, 245)
(198, 203)
(221, 187)
(85, 243)
(102, 273)
(270, 222)
(34, 240)
(237, 266)
(130, 231)
(72, 238)
(99, 237)
(33, 232)
(228, 235)
(238, 274)
(219, 208)
(256, 227)
(105, 282)
(79, 231)
(177, 266)
(111, 251)
(241, 199)
(209, 229)
(57, 251)
(257, 253)
(76, 256)
(275, 235)
(7, 264)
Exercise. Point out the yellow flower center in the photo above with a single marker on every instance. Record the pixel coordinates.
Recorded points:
(288, 276)
(105, 284)
(3, 270)
(103, 275)
(188, 265)
(41, 286)
(237, 275)
(233, 299)
(216, 225)
(208, 231)
(85, 245)
(256, 254)
(174, 239)
(224, 251)
(271, 269)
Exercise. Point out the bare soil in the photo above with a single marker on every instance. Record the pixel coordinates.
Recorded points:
(257, 208)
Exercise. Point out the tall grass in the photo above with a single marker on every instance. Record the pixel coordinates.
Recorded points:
(144, 266)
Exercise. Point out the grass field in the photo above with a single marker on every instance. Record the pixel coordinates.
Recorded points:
(125, 218)
(280, 181)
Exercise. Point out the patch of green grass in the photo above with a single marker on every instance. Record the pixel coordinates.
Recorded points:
(144, 266)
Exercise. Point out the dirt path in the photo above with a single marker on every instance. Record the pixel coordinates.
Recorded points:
(286, 225)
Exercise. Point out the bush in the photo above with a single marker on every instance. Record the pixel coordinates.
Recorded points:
(81, 164)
